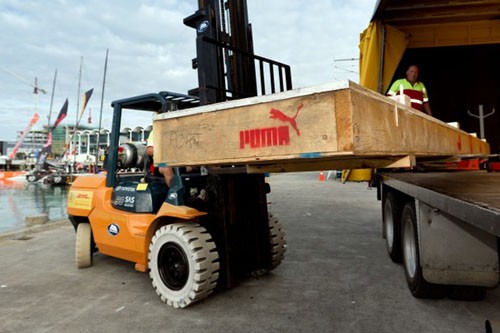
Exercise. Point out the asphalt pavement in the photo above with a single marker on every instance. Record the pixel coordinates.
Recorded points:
(336, 277)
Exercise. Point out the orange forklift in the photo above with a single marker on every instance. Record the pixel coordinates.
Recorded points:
(209, 228)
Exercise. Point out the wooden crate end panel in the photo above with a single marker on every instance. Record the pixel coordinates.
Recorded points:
(343, 105)
(375, 127)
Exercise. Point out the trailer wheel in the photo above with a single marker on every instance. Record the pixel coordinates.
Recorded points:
(418, 286)
(183, 263)
(278, 242)
(83, 245)
(392, 226)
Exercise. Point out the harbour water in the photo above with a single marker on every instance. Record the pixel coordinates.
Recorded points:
(19, 200)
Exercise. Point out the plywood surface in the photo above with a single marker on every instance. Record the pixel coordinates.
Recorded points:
(328, 126)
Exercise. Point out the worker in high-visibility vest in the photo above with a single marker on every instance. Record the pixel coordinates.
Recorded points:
(414, 89)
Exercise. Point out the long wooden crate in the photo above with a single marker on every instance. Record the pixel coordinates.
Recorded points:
(335, 126)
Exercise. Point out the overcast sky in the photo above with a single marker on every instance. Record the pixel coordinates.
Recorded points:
(150, 49)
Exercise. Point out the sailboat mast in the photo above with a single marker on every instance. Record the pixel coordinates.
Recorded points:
(78, 96)
(52, 100)
(103, 84)
(77, 104)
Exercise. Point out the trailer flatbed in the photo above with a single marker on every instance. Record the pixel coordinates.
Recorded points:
(473, 196)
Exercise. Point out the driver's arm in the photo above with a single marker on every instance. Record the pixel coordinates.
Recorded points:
(168, 173)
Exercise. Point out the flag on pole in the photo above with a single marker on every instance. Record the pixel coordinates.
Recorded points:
(62, 114)
(32, 122)
(47, 147)
(49, 140)
(85, 100)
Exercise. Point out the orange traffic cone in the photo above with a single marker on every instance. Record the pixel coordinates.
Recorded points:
(321, 176)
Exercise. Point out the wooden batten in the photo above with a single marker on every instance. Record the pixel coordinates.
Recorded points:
(336, 126)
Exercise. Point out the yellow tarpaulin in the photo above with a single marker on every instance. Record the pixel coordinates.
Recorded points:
(370, 47)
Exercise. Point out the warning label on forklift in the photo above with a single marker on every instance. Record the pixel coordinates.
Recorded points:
(80, 199)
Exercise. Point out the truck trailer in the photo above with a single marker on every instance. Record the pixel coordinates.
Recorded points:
(442, 224)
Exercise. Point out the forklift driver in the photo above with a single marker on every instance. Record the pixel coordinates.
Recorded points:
(165, 172)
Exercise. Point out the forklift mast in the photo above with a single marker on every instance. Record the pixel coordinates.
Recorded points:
(227, 70)
(226, 63)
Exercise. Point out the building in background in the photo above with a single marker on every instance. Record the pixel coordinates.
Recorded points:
(86, 140)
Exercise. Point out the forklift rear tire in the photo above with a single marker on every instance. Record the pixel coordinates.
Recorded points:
(278, 242)
(83, 246)
(392, 226)
(417, 284)
(183, 263)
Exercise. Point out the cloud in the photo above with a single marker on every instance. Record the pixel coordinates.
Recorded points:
(150, 49)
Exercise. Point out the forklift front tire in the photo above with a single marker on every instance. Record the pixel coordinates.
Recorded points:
(183, 263)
